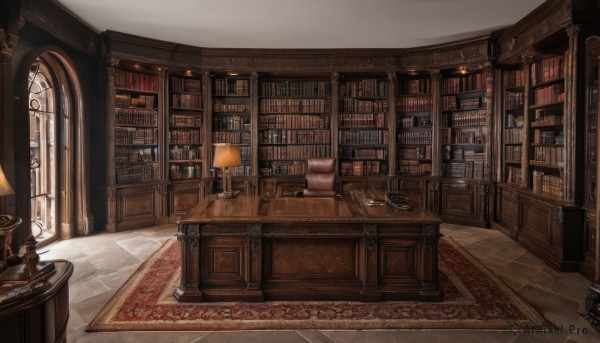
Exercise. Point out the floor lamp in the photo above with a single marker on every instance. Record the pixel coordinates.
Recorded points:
(227, 156)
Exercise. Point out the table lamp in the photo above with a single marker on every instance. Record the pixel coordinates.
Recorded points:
(227, 156)
(7, 223)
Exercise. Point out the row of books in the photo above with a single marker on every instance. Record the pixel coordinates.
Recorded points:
(273, 152)
(364, 137)
(296, 88)
(225, 87)
(363, 168)
(219, 106)
(142, 101)
(514, 78)
(414, 137)
(284, 168)
(177, 171)
(551, 156)
(245, 170)
(185, 137)
(550, 95)
(513, 101)
(186, 153)
(547, 137)
(232, 137)
(513, 175)
(188, 101)
(361, 106)
(364, 88)
(291, 136)
(295, 105)
(466, 83)
(411, 167)
(467, 118)
(361, 120)
(135, 116)
(136, 81)
(230, 123)
(414, 104)
(513, 120)
(136, 173)
(368, 154)
(513, 153)
(450, 136)
(417, 153)
(513, 135)
(184, 120)
(415, 87)
(550, 185)
(549, 120)
(415, 121)
(124, 155)
(548, 69)
(289, 121)
(185, 85)
(467, 169)
(129, 135)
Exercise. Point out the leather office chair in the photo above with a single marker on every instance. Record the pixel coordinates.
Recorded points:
(320, 178)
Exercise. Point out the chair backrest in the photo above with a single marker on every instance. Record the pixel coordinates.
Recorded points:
(320, 177)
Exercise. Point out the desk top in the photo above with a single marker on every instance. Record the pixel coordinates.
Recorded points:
(249, 209)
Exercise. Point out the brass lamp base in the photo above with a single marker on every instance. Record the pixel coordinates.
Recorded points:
(8, 224)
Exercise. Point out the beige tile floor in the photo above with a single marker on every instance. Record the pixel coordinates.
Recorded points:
(104, 261)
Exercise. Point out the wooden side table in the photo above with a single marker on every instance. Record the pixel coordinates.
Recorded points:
(37, 310)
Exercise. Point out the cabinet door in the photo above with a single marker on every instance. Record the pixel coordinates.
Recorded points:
(588, 266)
(414, 190)
(458, 199)
(183, 197)
(137, 207)
(505, 214)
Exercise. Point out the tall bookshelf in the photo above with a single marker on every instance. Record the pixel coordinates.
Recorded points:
(363, 135)
(136, 126)
(546, 148)
(414, 125)
(185, 134)
(464, 112)
(513, 86)
(294, 124)
(231, 117)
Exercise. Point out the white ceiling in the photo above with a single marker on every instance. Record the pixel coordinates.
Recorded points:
(300, 24)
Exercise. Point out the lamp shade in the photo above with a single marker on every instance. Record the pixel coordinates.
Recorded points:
(5, 188)
(227, 155)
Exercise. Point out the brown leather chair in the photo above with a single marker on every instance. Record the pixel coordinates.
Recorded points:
(320, 178)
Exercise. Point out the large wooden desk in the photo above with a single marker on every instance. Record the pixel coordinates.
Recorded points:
(255, 249)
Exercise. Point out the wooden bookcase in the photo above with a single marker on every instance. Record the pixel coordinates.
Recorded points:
(294, 123)
(363, 132)
(590, 267)
(464, 113)
(186, 141)
(513, 87)
(136, 177)
(232, 116)
(414, 124)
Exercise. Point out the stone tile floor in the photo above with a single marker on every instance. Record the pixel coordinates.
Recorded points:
(104, 261)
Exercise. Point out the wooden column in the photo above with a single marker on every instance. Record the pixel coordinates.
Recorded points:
(333, 120)
(370, 291)
(111, 190)
(392, 154)
(254, 247)
(190, 239)
(527, 101)
(254, 94)
(570, 116)
(488, 73)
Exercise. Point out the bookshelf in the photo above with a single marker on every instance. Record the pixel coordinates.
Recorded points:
(294, 124)
(185, 134)
(464, 112)
(414, 125)
(513, 87)
(231, 117)
(546, 136)
(136, 126)
(363, 135)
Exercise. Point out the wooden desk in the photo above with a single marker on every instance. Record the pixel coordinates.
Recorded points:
(255, 249)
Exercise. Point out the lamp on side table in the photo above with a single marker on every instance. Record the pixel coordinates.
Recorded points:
(7, 223)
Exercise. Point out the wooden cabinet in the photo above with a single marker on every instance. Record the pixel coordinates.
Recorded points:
(551, 230)
(590, 235)
(464, 202)
(414, 189)
(506, 215)
(42, 314)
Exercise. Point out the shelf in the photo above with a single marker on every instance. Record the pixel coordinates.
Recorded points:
(364, 128)
(465, 93)
(137, 145)
(414, 113)
(186, 161)
(559, 103)
(547, 127)
(131, 90)
(464, 110)
(533, 164)
(550, 145)
(548, 83)
(199, 92)
(186, 109)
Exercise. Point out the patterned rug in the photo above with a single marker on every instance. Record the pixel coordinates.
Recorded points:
(473, 299)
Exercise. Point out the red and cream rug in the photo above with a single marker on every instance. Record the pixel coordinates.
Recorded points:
(474, 299)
